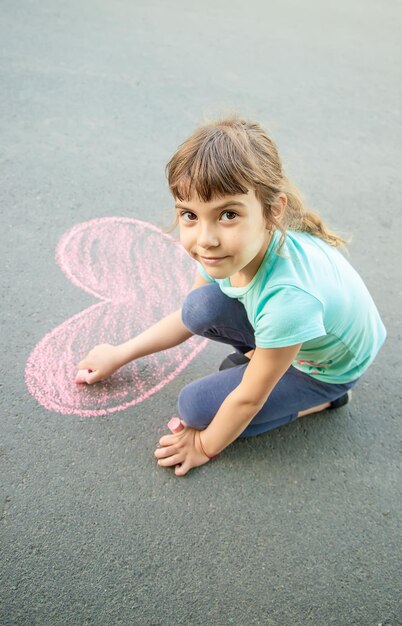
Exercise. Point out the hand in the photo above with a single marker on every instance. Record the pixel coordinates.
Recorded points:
(102, 361)
(184, 448)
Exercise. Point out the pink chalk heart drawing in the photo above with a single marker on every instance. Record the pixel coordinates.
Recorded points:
(138, 274)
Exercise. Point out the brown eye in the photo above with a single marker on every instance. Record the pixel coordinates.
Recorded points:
(229, 216)
(188, 216)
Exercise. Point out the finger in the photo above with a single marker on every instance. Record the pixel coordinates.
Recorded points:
(168, 440)
(181, 470)
(163, 453)
(170, 460)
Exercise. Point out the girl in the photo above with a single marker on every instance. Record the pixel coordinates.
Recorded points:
(270, 283)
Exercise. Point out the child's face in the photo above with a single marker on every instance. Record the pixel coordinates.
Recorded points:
(228, 236)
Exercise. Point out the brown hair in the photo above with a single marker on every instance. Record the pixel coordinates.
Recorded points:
(231, 156)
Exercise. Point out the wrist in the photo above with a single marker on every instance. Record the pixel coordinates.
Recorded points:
(124, 353)
(204, 451)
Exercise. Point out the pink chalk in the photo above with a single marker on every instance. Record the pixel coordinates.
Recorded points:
(82, 376)
(175, 425)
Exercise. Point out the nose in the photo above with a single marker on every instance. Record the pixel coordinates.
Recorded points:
(207, 237)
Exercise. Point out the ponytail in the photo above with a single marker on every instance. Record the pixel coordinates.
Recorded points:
(298, 218)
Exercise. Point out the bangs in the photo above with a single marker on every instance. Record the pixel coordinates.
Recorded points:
(211, 164)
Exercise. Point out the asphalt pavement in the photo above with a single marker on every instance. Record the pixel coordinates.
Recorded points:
(300, 526)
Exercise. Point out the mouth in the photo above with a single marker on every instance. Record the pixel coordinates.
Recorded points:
(212, 260)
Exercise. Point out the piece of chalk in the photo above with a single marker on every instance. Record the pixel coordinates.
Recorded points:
(175, 425)
(82, 376)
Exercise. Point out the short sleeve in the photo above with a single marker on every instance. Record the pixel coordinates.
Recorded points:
(288, 316)
(204, 274)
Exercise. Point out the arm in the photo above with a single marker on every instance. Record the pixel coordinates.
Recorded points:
(104, 359)
(265, 369)
(189, 447)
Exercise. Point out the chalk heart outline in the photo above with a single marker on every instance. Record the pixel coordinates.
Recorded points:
(138, 274)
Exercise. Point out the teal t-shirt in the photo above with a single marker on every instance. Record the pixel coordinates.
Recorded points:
(308, 293)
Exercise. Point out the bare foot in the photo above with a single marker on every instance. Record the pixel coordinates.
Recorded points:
(314, 409)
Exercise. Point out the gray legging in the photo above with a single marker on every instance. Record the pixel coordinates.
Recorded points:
(210, 313)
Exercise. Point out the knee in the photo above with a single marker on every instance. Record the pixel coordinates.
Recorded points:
(191, 407)
(197, 309)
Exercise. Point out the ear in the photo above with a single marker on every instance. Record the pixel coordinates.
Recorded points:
(278, 208)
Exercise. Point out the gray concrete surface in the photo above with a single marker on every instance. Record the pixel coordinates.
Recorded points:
(302, 526)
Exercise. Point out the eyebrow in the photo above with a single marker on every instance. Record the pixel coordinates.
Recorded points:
(219, 207)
